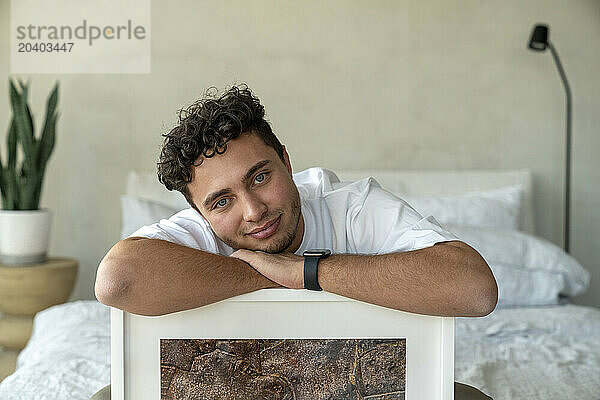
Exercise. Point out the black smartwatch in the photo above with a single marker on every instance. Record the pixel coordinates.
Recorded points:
(311, 267)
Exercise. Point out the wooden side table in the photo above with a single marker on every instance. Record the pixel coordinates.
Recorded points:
(25, 290)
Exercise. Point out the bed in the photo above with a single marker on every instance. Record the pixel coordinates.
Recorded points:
(535, 345)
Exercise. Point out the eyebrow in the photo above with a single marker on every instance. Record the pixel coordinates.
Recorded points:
(213, 196)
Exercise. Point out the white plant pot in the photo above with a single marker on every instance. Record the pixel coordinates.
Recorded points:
(24, 236)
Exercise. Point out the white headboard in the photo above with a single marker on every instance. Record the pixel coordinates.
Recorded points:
(145, 185)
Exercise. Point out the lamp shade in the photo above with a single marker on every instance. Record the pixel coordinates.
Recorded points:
(539, 38)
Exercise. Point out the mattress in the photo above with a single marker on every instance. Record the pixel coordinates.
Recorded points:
(518, 353)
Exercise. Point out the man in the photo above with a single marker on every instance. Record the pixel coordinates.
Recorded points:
(251, 221)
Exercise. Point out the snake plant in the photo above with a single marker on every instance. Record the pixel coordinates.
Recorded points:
(21, 183)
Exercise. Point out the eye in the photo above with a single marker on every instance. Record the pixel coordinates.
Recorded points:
(260, 178)
(221, 203)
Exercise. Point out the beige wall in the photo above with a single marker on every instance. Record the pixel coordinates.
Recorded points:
(394, 84)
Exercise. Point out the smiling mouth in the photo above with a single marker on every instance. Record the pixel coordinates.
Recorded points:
(268, 230)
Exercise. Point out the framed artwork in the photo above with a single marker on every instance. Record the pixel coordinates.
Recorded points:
(282, 344)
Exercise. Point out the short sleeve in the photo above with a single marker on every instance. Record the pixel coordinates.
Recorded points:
(183, 228)
(425, 233)
(165, 230)
(384, 223)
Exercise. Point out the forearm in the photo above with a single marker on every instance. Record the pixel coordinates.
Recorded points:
(440, 280)
(155, 277)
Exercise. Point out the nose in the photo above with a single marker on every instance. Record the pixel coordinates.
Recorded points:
(254, 209)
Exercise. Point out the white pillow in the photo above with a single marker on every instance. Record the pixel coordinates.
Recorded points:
(137, 212)
(499, 208)
(529, 270)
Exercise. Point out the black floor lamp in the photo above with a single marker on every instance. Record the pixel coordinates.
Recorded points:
(539, 42)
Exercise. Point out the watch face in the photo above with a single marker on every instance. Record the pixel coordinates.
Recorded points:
(317, 253)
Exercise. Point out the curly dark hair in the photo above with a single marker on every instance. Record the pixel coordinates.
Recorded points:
(204, 128)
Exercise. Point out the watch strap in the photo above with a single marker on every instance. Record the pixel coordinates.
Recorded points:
(311, 271)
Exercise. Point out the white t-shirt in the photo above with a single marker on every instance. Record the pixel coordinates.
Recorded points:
(346, 217)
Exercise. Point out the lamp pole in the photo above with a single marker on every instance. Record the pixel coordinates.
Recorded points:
(539, 42)
(563, 77)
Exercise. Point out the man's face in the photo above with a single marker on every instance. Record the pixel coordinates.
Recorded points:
(248, 197)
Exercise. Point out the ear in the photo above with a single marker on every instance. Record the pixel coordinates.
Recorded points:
(286, 158)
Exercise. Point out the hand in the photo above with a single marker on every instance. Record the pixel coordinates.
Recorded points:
(286, 269)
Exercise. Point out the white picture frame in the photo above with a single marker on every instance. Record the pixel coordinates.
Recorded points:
(282, 313)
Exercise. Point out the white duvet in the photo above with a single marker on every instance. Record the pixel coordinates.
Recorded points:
(521, 353)
(550, 352)
(67, 357)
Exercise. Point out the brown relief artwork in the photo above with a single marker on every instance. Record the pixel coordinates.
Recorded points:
(283, 369)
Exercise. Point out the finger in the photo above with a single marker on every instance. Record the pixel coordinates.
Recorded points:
(242, 254)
